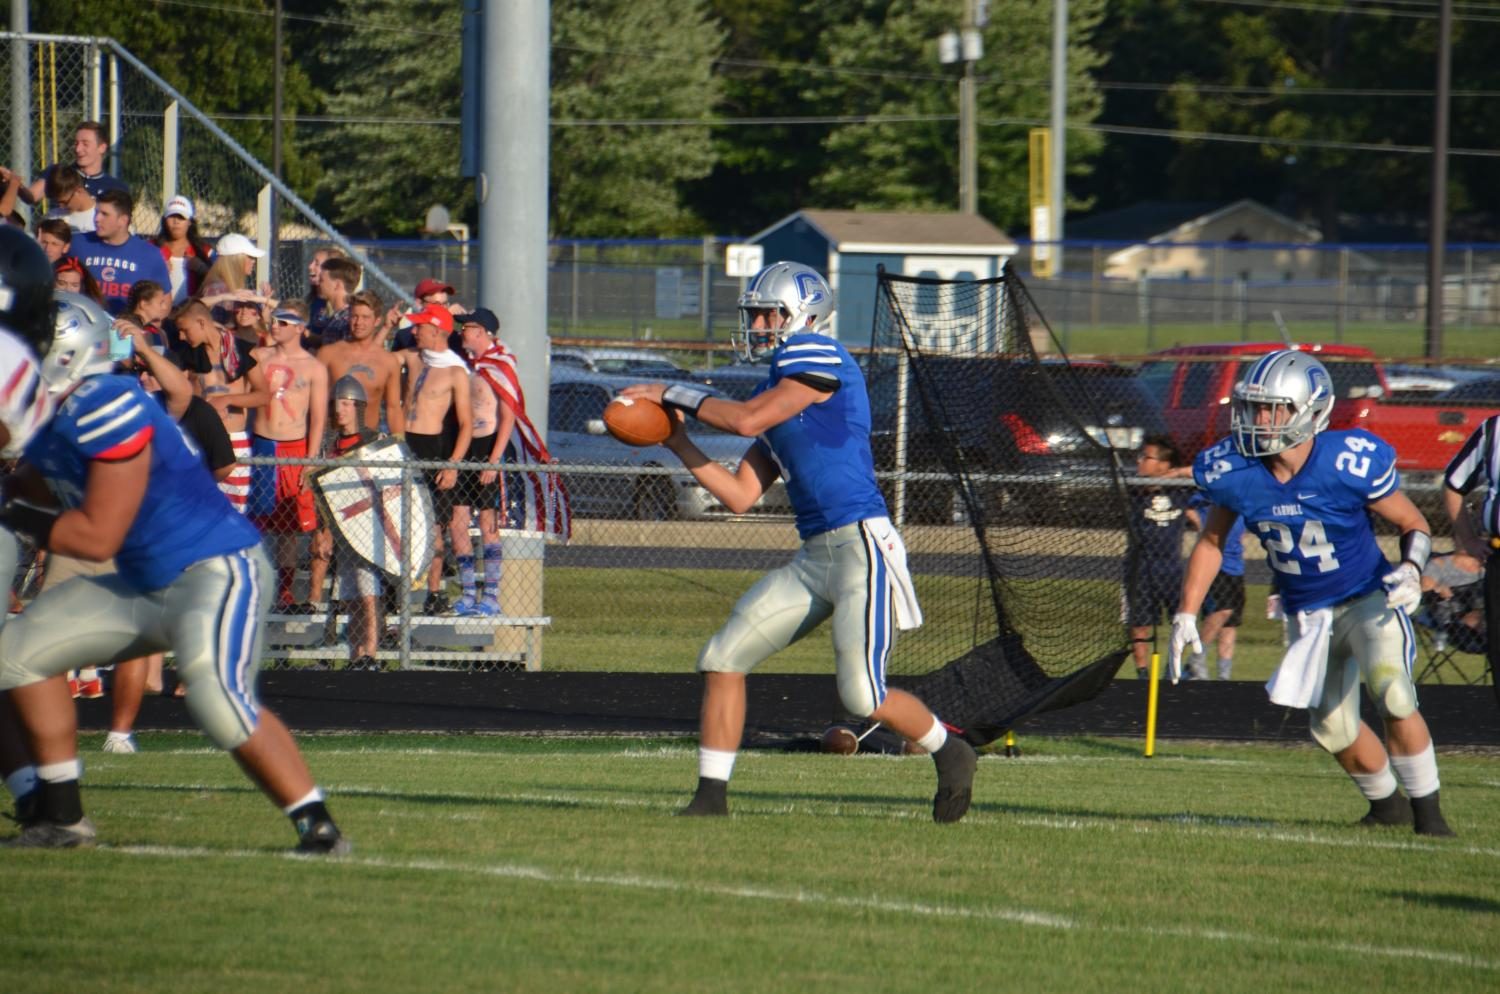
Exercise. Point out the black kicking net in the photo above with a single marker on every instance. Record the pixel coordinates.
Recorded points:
(1001, 461)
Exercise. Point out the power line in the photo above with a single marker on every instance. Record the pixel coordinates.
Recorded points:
(869, 119)
(935, 76)
(1364, 11)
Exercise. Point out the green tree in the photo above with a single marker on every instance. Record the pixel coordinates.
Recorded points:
(622, 60)
(611, 60)
(765, 170)
(913, 164)
(221, 60)
(393, 72)
(1282, 77)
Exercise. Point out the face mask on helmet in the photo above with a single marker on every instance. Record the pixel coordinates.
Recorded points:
(783, 299)
(1283, 400)
(80, 345)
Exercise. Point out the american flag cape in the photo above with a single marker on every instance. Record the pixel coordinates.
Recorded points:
(547, 508)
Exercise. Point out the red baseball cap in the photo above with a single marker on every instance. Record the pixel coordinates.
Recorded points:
(429, 286)
(433, 314)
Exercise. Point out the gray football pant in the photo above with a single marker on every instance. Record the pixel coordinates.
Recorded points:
(210, 618)
(838, 574)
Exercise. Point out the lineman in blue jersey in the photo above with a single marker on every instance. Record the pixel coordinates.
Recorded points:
(111, 475)
(811, 422)
(1308, 494)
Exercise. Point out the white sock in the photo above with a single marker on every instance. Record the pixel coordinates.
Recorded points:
(68, 769)
(21, 782)
(1375, 785)
(313, 795)
(935, 737)
(1418, 774)
(1225, 665)
(715, 764)
(115, 736)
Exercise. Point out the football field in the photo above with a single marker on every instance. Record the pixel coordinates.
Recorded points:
(553, 864)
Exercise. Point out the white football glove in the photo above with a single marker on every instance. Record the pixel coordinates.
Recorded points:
(1184, 634)
(1403, 587)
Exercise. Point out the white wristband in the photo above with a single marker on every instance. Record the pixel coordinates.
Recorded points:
(684, 398)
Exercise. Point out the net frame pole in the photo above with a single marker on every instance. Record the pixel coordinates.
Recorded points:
(1153, 693)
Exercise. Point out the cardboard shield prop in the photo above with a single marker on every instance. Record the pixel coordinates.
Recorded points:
(364, 505)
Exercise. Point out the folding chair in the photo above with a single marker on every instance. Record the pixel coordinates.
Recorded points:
(1443, 634)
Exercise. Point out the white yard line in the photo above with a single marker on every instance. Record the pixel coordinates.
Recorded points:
(898, 906)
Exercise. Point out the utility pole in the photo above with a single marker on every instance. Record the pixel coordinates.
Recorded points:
(967, 45)
(1437, 225)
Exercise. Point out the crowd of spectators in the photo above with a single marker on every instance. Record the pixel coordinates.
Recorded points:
(262, 367)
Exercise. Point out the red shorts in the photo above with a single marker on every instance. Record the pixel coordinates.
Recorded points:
(279, 504)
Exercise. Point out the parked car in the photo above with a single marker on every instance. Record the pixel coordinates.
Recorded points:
(1406, 380)
(577, 437)
(640, 363)
(737, 381)
(1039, 439)
(1193, 385)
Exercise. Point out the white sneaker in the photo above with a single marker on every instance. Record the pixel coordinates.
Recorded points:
(116, 742)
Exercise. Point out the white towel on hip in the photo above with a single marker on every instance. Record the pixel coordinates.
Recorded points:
(893, 551)
(1298, 681)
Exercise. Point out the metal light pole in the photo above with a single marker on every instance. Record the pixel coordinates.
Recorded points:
(20, 94)
(967, 45)
(1059, 159)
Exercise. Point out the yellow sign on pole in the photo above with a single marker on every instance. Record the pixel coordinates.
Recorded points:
(1043, 259)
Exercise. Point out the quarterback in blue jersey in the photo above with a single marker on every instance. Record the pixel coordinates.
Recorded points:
(1308, 495)
(811, 423)
(111, 475)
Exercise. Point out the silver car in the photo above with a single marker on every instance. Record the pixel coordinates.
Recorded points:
(576, 437)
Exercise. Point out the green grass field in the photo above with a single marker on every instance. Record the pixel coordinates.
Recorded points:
(1393, 340)
(505, 864)
(612, 620)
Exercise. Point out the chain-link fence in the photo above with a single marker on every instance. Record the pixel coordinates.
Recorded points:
(161, 146)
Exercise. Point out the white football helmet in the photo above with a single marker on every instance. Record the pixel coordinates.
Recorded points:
(802, 296)
(81, 346)
(1298, 392)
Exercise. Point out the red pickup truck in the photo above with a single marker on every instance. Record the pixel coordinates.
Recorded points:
(1194, 385)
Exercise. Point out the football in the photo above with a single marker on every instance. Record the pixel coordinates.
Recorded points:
(637, 421)
(840, 740)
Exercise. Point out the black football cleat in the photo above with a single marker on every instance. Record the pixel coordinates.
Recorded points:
(42, 834)
(1428, 817)
(1393, 810)
(956, 762)
(711, 800)
(323, 838)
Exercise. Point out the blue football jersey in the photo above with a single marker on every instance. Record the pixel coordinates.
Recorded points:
(1315, 527)
(1234, 542)
(824, 452)
(183, 519)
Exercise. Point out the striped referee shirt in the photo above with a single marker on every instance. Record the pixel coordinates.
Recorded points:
(1479, 462)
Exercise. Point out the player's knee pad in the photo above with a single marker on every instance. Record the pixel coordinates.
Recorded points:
(227, 716)
(1334, 730)
(1392, 691)
(20, 663)
(859, 697)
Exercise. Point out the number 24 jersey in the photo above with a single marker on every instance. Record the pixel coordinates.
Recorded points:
(1315, 527)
